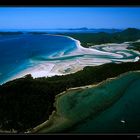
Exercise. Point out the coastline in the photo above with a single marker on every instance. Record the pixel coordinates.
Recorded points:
(92, 56)
(49, 86)
(62, 118)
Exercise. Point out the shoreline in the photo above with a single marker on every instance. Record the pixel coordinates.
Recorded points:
(105, 70)
(57, 115)
(92, 56)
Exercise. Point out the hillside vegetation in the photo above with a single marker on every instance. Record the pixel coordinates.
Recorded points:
(27, 102)
(88, 39)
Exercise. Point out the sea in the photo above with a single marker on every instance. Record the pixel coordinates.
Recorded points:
(17, 51)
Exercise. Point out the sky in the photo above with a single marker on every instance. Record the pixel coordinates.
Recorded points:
(69, 17)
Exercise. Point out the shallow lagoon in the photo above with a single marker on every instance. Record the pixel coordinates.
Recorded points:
(109, 107)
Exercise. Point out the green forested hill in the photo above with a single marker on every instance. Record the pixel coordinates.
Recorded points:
(88, 39)
(27, 102)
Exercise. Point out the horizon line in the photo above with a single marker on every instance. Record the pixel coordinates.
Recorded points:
(69, 28)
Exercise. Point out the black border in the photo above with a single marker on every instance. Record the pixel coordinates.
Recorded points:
(42, 3)
(74, 3)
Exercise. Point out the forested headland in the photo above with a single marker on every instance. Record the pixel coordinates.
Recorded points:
(27, 102)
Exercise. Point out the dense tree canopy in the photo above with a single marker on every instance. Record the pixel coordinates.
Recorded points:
(88, 39)
(27, 102)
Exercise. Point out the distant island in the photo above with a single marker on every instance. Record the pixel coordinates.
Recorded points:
(58, 30)
(96, 30)
(10, 33)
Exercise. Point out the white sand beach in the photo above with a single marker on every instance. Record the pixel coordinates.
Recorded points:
(93, 56)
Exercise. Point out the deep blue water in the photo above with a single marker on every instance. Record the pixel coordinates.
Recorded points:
(16, 51)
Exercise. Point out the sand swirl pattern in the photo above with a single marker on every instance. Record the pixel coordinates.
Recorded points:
(49, 55)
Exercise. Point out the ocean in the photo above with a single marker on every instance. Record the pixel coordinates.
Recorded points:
(16, 51)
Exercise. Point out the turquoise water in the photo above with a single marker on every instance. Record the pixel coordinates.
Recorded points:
(110, 107)
(110, 120)
(16, 51)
